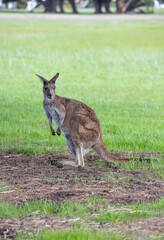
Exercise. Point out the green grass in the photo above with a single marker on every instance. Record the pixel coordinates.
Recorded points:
(10, 211)
(64, 209)
(132, 211)
(153, 167)
(90, 210)
(115, 67)
(76, 234)
(94, 209)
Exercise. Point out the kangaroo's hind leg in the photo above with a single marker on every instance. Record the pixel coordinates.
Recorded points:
(82, 155)
(79, 155)
(76, 150)
(70, 145)
(71, 149)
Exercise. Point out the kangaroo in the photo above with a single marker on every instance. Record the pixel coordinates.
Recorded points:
(77, 121)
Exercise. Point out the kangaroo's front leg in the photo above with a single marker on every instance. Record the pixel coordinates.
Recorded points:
(50, 122)
(51, 127)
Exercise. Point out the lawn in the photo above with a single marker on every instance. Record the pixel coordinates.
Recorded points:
(116, 66)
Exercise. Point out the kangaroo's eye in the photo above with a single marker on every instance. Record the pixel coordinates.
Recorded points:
(46, 88)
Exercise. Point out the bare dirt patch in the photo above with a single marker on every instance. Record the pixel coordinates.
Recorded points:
(28, 177)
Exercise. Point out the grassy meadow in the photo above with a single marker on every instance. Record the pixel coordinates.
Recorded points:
(115, 67)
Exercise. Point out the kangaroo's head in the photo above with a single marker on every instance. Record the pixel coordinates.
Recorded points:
(49, 87)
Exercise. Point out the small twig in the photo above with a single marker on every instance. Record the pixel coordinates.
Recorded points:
(73, 219)
(31, 213)
(13, 155)
(8, 191)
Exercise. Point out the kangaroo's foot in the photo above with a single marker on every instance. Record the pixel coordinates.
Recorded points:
(68, 162)
(60, 163)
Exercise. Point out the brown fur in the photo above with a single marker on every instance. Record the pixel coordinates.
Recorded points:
(78, 122)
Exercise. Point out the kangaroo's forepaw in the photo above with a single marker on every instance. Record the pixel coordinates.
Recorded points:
(58, 132)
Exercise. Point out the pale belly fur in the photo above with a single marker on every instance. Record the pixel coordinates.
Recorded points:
(56, 115)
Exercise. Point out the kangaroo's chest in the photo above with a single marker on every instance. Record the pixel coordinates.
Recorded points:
(56, 114)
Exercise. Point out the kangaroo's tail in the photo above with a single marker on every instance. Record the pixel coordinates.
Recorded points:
(103, 153)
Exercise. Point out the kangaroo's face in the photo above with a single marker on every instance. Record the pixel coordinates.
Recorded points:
(49, 90)
(49, 87)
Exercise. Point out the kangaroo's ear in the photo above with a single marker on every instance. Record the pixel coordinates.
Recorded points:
(53, 80)
(42, 79)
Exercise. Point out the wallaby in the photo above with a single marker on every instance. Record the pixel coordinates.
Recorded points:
(77, 121)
